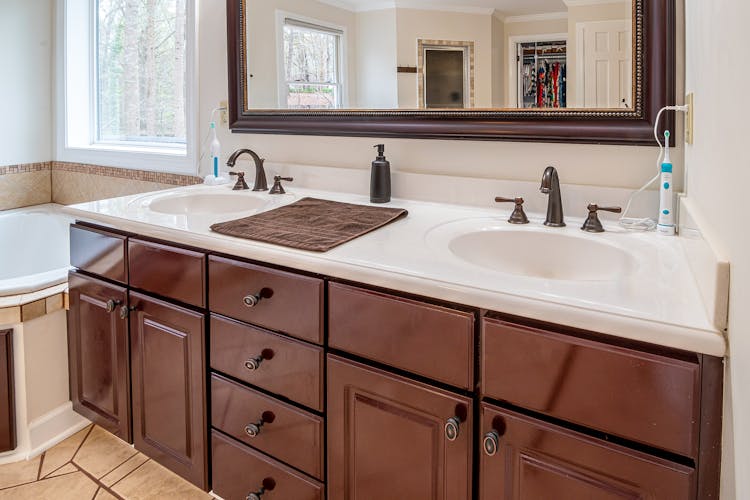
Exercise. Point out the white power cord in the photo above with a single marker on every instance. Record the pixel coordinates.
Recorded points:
(648, 224)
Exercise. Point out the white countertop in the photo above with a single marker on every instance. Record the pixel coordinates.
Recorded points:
(657, 302)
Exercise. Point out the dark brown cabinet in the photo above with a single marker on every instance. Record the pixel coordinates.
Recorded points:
(527, 459)
(169, 386)
(99, 353)
(390, 437)
(7, 401)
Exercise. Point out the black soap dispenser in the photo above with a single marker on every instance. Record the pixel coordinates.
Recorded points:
(380, 182)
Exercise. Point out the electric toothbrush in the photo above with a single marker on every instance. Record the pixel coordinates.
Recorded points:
(666, 224)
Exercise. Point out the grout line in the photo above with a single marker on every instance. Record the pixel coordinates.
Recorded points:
(99, 483)
(129, 473)
(82, 443)
(120, 465)
(96, 492)
(41, 463)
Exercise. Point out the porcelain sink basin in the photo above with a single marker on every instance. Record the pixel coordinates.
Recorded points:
(208, 203)
(550, 254)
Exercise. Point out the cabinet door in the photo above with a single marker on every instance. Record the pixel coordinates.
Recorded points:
(7, 401)
(527, 459)
(99, 354)
(388, 437)
(169, 386)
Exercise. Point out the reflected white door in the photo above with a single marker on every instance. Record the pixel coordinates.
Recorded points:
(605, 49)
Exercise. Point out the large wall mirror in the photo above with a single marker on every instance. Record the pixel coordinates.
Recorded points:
(553, 70)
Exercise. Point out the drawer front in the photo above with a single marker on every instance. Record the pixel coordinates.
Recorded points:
(99, 252)
(239, 471)
(644, 397)
(536, 460)
(288, 303)
(168, 271)
(428, 340)
(286, 367)
(288, 434)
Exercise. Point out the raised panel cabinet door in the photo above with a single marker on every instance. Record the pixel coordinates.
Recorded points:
(527, 459)
(390, 437)
(7, 401)
(169, 386)
(99, 353)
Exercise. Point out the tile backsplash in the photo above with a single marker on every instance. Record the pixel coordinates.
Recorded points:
(66, 183)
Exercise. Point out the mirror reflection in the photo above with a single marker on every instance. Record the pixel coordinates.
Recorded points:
(439, 54)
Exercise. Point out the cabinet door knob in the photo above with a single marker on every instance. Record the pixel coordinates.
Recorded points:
(268, 485)
(491, 443)
(252, 430)
(253, 364)
(452, 428)
(253, 300)
(112, 305)
(125, 311)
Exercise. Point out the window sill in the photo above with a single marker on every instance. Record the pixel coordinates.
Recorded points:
(154, 159)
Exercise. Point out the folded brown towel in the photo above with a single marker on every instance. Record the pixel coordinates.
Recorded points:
(311, 224)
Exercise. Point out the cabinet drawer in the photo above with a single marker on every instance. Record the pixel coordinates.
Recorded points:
(425, 339)
(536, 460)
(288, 434)
(287, 367)
(643, 397)
(289, 303)
(171, 272)
(98, 252)
(239, 471)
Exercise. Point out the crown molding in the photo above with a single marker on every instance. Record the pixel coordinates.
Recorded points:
(549, 16)
(583, 3)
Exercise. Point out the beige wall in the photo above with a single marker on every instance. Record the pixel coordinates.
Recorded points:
(261, 44)
(377, 47)
(718, 176)
(499, 58)
(589, 13)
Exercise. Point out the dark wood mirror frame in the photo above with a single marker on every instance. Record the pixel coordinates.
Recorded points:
(654, 88)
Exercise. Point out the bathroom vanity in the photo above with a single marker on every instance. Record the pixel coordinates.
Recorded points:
(255, 378)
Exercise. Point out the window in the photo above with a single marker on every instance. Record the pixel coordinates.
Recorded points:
(128, 84)
(311, 60)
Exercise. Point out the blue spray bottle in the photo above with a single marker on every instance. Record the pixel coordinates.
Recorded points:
(666, 224)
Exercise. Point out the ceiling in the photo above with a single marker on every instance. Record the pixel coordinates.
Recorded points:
(502, 8)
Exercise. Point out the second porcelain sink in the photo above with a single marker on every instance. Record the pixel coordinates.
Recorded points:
(208, 203)
(552, 254)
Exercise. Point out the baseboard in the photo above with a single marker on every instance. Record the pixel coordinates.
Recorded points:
(54, 427)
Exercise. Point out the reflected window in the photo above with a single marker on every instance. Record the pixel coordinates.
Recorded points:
(312, 60)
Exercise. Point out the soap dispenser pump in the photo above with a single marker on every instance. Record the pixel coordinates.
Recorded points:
(380, 181)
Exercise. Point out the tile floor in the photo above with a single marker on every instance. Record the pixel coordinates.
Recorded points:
(93, 464)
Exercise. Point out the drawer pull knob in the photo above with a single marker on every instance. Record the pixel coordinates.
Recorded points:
(452, 428)
(253, 364)
(253, 300)
(491, 443)
(268, 485)
(112, 305)
(252, 430)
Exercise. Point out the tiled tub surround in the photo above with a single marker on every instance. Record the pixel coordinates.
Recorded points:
(65, 183)
(93, 464)
(33, 299)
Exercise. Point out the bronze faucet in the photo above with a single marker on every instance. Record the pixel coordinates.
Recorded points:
(260, 174)
(551, 186)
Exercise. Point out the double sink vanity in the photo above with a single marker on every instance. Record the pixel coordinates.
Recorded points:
(449, 355)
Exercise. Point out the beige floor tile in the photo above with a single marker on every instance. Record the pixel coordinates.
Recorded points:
(65, 469)
(69, 487)
(152, 481)
(125, 469)
(103, 494)
(102, 452)
(19, 472)
(62, 453)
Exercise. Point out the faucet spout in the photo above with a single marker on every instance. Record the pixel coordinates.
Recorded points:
(261, 183)
(551, 186)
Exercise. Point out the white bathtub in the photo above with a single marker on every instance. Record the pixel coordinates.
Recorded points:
(34, 252)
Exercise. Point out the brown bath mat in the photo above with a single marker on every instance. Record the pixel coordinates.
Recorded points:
(311, 224)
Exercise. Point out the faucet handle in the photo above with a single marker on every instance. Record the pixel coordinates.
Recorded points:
(277, 187)
(518, 216)
(593, 224)
(241, 185)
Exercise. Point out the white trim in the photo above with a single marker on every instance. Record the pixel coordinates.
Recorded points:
(532, 18)
(513, 42)
(583, 3)
(417, 5)
(343, 56)
(159, 158)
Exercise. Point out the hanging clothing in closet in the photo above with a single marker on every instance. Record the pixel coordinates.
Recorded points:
(542, 75)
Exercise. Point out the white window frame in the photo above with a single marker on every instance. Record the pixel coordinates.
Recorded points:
(283, 89)
(75, 137)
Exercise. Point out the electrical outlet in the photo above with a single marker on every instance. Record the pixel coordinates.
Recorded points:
(689, 118)
(224, 113)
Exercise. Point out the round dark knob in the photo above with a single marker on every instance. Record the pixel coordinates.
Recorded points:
(256, 495)
(491, 443)
(268, 485)
(112, 305)
(253, 364)
(452, 428)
